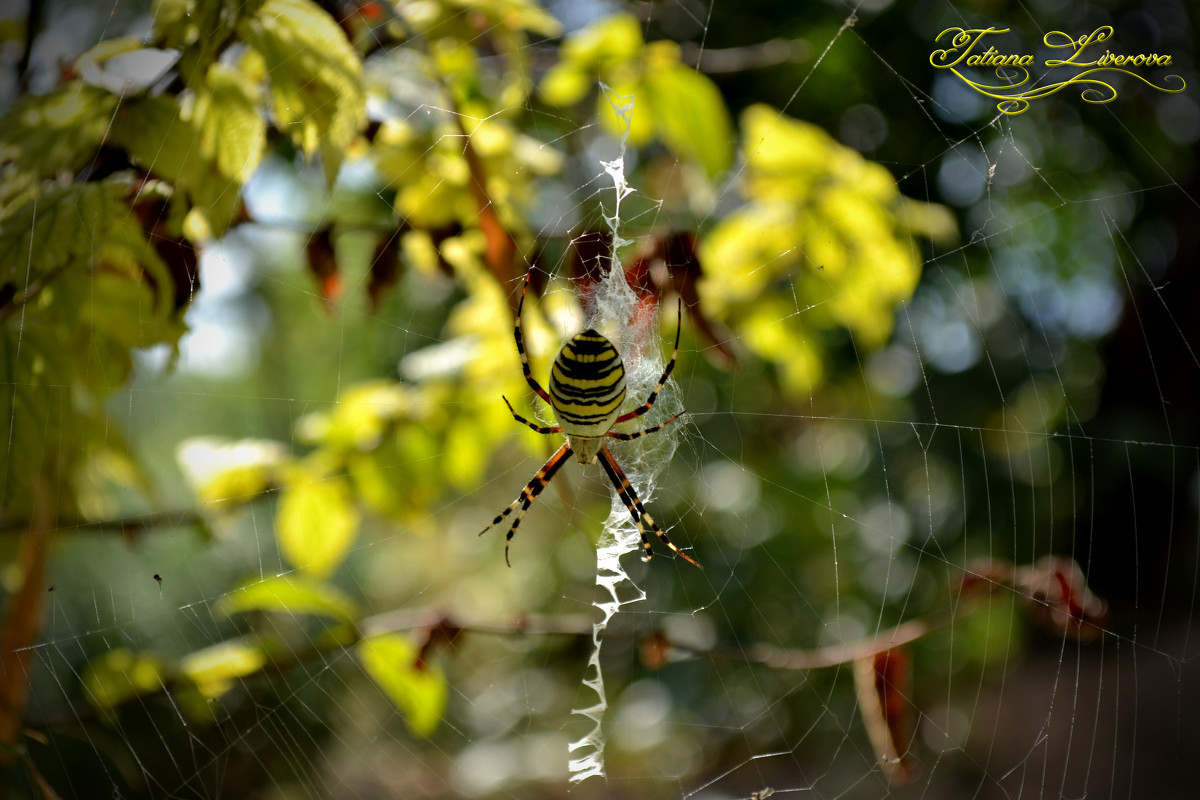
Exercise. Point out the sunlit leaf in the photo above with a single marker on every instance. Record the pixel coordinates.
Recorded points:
(565, 84)
(608, 42)
(173, 22)
(689, 112)
(227, 470)
(316, 94)
(233, 131)
(290, 594)
(124, 65)
(109, 462)
(671, 101)
(198, 26)
(316, 522)
(419, 693)
(821, 236)
(466, 454)
(215, 669)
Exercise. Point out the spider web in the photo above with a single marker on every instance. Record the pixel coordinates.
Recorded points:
(731, 682)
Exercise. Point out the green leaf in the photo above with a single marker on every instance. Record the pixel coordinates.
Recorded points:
(214, 669)
(120, 675)
(361, 416)
(377, 481)
(57, 230)
(290, 594)
(131, 293)
(92, 287)
(207, 147)
(314, 72)
(173, 23)
(158, 139)
(233, 133)
(316, 523)
(419, 692)
(200, 29)
(54, 133)
(672, 101)
(26, 412)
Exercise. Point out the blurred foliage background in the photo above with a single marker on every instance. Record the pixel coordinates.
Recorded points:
(259, 263)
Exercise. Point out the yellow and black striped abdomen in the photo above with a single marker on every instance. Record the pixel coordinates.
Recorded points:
(587, 385)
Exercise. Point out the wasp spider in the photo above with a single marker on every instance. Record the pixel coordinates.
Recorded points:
(587, 387)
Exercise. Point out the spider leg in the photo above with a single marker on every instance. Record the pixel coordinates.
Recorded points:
(538, 428)
(636, 510)
(625, 437)
(520, 337)
(644, 407)
(532, 489)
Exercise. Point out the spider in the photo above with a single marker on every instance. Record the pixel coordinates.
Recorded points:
(587, 387)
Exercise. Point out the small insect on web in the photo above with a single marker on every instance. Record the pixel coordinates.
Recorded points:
(587, 387)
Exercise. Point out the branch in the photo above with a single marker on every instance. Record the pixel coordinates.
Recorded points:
(124, 525)
(1052, 588)
(739, 59)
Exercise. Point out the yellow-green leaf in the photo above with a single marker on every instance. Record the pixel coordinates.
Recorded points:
(214, 669)
(418, 691)
(856, 260)
(377, 481)
(565, 84)
(317, 523)
(290, 594)
(690, 115)
(612, 41)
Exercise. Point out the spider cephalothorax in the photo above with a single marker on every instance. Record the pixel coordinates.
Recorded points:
(587, 387)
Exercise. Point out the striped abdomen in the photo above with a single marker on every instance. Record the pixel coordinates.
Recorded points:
(587, 385)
